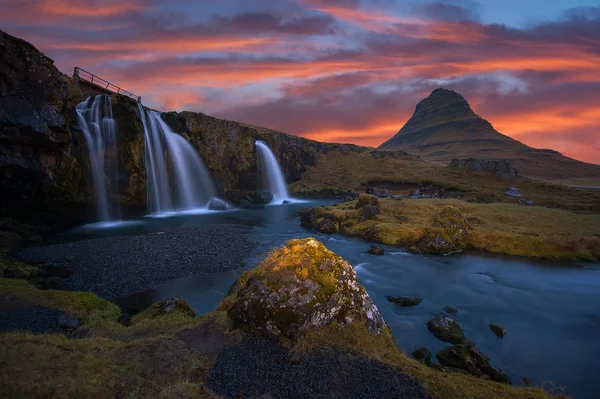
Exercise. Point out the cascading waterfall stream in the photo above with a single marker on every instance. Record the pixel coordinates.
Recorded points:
(177, 179)
(96, 121)
(272, 176)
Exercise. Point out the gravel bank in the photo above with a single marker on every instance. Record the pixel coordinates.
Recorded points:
(259, 367)
(117, 266)
(35, 319)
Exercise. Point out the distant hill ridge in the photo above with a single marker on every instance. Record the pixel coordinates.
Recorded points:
(444, 127)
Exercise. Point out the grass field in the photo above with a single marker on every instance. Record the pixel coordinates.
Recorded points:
(497, 227)
(352, 171)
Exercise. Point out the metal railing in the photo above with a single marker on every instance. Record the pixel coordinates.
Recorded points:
(82, 74)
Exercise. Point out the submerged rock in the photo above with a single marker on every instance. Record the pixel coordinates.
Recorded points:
(247, 205)
(446, 329)
(300, 286)
(375, 250)
(404, 301)
(513, 192)
(217, 204)
(260, 197)
(467, 357)
(450, 309)
(498, 330)
(423, 355)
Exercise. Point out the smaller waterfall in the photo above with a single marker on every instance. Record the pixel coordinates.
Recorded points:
(96, 121)
(272, 177)
(176, 177)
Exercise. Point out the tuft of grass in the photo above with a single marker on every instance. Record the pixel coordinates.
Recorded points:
(86, 307)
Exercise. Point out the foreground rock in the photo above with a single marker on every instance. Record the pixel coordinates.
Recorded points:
(467, 357)
(498, 330)
(217, 204)
(446, 329)
(423, 355)
(260, 197)
(450, 234)
(300, 286)
(404, 301)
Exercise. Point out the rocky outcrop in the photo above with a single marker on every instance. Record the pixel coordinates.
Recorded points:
(449, 234)
(446, 329)
(422, 355)
(170, 307)
(300, 286)
(501, 168)
(467, 357)
(498, 330)
(36, 103)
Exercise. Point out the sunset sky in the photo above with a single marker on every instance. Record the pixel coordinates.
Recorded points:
(339, 70)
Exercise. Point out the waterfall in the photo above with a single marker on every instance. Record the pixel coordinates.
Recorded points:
(176, 178)
(272, 177)
(95, 120)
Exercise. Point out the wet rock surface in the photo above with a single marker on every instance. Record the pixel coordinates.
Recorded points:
(300, 286)
(262, 367)
(404, 301)
(467, 357)
(446, 329)
(376, 250)
(119, 266)
(498, 330)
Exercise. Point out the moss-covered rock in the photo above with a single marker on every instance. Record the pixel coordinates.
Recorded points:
(467, 357)
(449, 233)
(446, 329)
(422, 355)
(367, 200)
(170, 307)
(298, 287)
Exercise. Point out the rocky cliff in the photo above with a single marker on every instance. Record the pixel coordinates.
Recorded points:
(43, 156)
(444, 127)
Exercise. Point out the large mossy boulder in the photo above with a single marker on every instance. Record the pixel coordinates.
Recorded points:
(446, 329)
(449, 233)
(298, 287)
(467, 357)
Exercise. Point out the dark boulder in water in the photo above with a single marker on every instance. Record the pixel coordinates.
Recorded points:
(217, 204)
(446, 329)
(498, 330)
(467, 357)
(375, 250)
(404, 301)
(260, 197)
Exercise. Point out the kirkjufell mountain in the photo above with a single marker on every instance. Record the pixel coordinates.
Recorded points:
(444, 127)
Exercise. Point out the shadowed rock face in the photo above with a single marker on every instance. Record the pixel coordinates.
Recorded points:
(444, 127)
(300, 286)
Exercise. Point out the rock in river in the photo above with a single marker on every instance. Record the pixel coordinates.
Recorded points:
(404, 301)
(217, 204)
(498, 330)
(300, 286)
(467, 357)
(375, 250)
(446, 329)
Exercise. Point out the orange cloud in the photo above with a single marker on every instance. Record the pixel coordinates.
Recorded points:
(70, 8)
